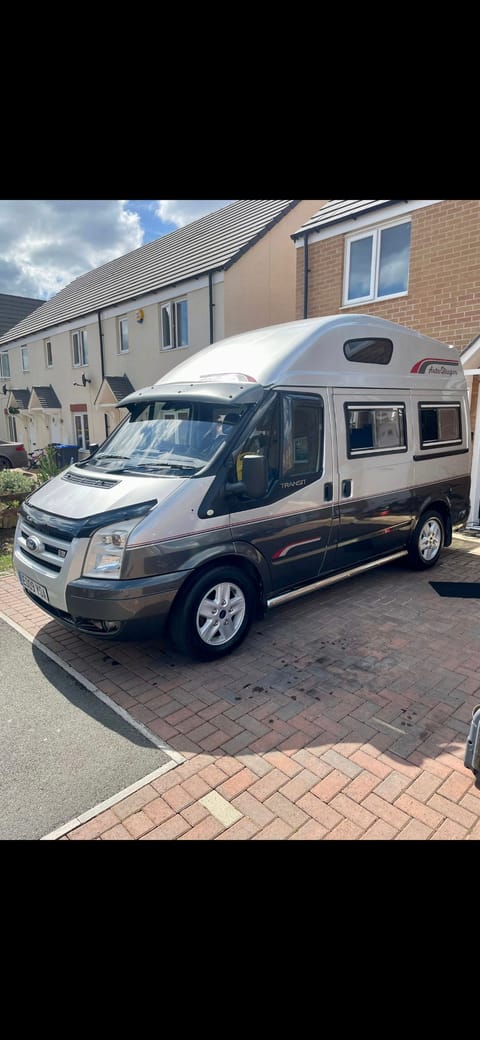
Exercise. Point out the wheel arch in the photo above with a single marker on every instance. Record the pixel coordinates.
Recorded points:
(440, 506)
(250, 564)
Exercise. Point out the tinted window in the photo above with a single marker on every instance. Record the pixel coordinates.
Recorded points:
(369, 351)
(303, 440)
(440, 424)
(375, 429)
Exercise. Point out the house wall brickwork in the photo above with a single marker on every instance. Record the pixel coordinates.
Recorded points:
(443, 297)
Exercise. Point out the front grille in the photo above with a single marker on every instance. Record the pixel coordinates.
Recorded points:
(50, 554)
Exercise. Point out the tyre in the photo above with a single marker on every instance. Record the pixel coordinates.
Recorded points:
(213, 617)
(427, 540)
(5, 463)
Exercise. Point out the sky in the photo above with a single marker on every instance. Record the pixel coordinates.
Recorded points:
(46, 243)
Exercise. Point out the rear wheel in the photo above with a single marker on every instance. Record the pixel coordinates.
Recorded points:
(427, 540)
(214, 615)
(5, 463)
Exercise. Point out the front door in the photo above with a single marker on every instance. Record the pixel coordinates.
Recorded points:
(81, 434)
(12, 428)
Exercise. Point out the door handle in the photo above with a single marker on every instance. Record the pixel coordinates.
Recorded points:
(346, 488)
(328, 492)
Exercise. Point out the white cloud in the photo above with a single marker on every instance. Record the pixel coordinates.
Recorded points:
(183, 211)
(44, 244)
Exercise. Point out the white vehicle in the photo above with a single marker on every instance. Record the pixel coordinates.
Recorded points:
(262, 468)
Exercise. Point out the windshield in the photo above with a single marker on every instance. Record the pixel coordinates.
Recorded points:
(166, 437)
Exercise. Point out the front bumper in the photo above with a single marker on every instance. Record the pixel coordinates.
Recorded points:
(104, 608)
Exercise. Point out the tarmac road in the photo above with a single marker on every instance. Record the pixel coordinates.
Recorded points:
(62, 750)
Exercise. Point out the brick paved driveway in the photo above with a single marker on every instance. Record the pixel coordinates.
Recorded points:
(343, 716)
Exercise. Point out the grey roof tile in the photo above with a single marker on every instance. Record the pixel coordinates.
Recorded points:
(215, 241)
(22, 397)
(120, 386)
(46, 396)
(337, 210)
(14, 308)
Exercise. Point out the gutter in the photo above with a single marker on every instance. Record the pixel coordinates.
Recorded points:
(305, 277)
(210, 304)
(102, 364)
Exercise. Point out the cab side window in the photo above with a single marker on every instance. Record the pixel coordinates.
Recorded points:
(264, 439)
(303, 435)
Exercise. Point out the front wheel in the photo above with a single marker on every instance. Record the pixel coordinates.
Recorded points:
(427, 540)
(213, 617)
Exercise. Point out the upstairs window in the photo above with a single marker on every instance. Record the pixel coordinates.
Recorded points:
(79, 348)
(25, 360)
(174, 319)
(377, 263)
(4, 366)
(48, 353)
(123, 335)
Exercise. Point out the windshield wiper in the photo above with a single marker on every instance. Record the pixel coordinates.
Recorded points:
(104, 458)
(164, 465)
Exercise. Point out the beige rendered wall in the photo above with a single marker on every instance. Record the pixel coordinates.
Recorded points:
(39, 429)
(144, 363)
(443, 298)
(260, 286)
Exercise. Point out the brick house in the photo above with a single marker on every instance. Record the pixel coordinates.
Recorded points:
(413, 261)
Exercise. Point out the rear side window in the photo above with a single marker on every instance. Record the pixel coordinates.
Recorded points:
(440, 424)
(377, 429)
(371, 351)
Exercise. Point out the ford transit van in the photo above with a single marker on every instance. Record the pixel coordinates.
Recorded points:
(264, 467)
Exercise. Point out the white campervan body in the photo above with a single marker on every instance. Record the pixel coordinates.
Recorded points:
(262, 468)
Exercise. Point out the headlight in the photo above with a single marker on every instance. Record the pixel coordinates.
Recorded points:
(105, 552)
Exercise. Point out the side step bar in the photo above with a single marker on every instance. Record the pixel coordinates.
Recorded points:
(276, 601)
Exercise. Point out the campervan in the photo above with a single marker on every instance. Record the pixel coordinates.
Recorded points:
(262, 468)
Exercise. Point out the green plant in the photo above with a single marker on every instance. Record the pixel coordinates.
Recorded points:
(47, 465)
(11, 481)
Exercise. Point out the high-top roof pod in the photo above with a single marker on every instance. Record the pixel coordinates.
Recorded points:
(300, 353)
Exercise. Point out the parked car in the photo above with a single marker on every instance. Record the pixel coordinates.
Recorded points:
(13, 455)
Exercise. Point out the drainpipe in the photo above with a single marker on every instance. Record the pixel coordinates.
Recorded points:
(102, 364)
(210, 303)
(305, 277)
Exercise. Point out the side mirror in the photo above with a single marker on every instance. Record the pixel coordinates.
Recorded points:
(255, 475)
(254, 478)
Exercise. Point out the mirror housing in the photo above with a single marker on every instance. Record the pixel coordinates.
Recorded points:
(254, 482)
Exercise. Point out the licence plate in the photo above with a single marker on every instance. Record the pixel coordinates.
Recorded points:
(33, 587)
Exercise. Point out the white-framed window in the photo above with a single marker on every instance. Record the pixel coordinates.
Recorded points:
(4, 366)
(25, 360)
(48, 353)
(123, 335)
(377, 263)
(174, 319)
(79, 348)
(12, 428)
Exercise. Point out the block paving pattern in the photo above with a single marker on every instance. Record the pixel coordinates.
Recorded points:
(342, 717)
